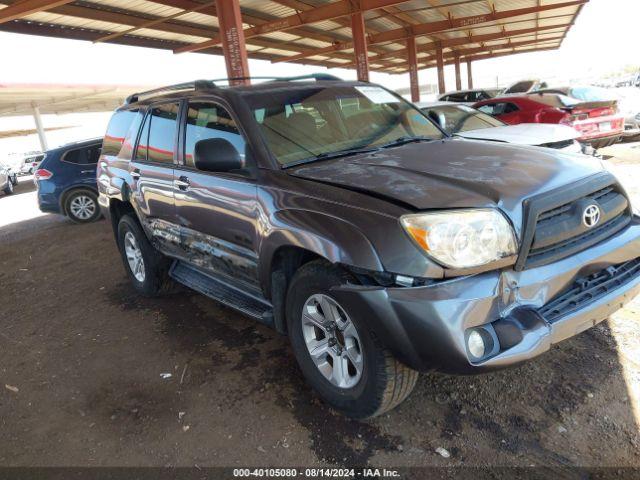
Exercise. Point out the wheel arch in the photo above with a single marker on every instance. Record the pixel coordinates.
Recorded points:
(299, 237)
(72, 189)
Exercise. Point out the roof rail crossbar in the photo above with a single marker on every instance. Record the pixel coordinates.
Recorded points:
(195, 85)
(312, 76)
(210, 84)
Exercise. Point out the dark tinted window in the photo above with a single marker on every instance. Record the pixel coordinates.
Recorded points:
(499, 108)
(207, 120)
(83, 156)
(117, 131)
(456, 97)
(510, 108)
(162, 133)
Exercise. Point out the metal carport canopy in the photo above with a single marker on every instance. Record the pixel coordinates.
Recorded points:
(40, 99)
(391, 36)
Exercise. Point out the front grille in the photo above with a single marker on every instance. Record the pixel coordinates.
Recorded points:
(558, 145)
(555, 227)
(589, 289)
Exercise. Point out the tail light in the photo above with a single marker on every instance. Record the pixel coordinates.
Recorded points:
(577, 118)
(574, 122)
(42, 174)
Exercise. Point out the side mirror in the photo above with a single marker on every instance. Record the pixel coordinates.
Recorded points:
(217, 155)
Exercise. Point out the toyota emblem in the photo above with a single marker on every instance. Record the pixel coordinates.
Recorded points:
(591, 216)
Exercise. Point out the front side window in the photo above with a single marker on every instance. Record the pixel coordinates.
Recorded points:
(207, 120)
(303, 123)
(162, 133)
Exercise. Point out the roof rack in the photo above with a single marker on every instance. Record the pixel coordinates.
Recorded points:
(312, 76)
(178, 87)
(210, 84)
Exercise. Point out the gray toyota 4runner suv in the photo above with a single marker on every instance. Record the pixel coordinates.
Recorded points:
(339, 214)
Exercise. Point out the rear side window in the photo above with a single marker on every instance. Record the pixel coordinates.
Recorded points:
(117, 130)
(207, 120)
(83, 156)
(510, 108)
(162, 133)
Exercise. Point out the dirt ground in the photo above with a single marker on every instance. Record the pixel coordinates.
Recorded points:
(91, 374)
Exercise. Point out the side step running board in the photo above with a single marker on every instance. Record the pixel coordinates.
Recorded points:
(221, 291)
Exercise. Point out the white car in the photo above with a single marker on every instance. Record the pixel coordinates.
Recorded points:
(31, 163)
(467, 122)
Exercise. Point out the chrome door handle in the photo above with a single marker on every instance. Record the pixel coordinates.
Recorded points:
(182, 183)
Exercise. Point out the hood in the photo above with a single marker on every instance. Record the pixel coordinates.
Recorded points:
(524, 133)
(454, 173)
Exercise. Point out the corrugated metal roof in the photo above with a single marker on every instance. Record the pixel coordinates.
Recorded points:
(99, 18)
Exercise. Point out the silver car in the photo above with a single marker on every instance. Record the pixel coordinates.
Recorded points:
(7, 179)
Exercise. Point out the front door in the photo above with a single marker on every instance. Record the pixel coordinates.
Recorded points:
(151, 173)
(216, 210)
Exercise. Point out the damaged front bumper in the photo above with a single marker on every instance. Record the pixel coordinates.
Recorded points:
(521, 313)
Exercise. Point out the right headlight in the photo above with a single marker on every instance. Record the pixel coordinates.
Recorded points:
(462, 238)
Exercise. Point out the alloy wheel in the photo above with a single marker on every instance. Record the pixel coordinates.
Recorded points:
(134, 256)
(82, 207)
(332, 341)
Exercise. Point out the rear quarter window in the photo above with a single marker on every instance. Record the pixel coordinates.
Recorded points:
(121, 133)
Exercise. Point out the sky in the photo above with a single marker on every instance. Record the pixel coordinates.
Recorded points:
(603, 40)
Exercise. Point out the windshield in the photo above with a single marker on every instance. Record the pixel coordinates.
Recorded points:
(303, 123)
(460, 118)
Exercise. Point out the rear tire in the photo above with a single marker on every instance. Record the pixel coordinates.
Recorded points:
(8, 190)
(81, 206)
(147, 268)
(380, 384)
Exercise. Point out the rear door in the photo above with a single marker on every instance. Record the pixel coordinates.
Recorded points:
(79, 165)
(151, 171)
(217, 211)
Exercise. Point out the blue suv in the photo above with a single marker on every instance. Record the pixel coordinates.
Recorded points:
(66, 181)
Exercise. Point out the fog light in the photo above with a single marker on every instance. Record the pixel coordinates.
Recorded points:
(475, 344)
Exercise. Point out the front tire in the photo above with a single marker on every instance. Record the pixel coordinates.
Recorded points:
(81, 206)
(339, 355)
(147, 268)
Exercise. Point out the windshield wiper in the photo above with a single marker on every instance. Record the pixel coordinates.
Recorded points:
(330, 155)
(404, 140)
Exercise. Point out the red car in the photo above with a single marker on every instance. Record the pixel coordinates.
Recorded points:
(598, 122)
